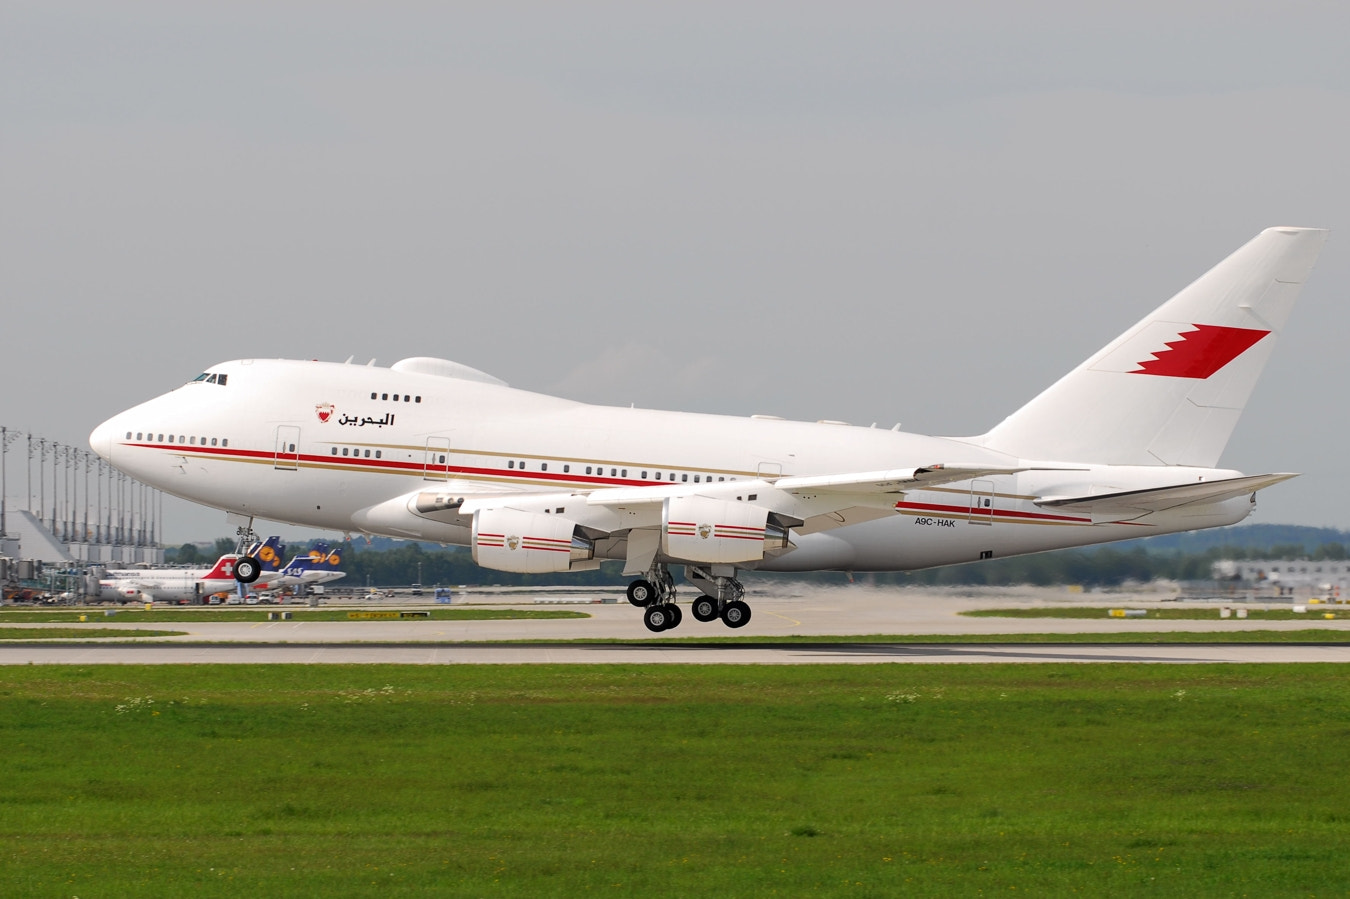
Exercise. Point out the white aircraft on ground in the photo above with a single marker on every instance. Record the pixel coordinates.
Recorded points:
(172, 584)
(1123, 446)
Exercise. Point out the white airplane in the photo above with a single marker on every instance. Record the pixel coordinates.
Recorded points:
(1123, 446)
(172, 584)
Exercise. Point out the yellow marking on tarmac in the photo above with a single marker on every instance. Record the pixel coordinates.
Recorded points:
(795, 622)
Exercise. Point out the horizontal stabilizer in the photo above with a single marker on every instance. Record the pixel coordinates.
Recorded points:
(1159, 499)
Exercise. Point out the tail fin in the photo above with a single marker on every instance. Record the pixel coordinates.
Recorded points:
(319, 558)
(223, 569)
(268, 553)
(1170, 389)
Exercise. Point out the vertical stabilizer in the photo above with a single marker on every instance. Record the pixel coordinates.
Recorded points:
(1169, 390)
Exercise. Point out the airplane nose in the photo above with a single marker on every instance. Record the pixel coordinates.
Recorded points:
(101, 440)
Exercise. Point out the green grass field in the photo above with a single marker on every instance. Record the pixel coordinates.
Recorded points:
(674, 781)
(1314, 613)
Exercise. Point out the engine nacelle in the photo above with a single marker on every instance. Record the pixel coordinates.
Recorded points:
(529, 543)
(715, 531)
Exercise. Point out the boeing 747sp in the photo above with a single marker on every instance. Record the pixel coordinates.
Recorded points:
(1123, 446)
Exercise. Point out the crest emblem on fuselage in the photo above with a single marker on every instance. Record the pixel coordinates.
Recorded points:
(513, 543)
(324, 411)
(705, 531)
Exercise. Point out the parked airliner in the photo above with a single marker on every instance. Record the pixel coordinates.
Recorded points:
(1123, 446)
(174, 584)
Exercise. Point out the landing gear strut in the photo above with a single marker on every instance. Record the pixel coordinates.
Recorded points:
(246, 568)
(655, 594)
(721, 597)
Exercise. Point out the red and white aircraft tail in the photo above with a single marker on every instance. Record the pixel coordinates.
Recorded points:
(1170, 389)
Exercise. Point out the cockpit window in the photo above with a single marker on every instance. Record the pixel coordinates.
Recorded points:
(210, 378)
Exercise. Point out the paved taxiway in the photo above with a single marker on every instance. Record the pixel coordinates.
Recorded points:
(791, 612)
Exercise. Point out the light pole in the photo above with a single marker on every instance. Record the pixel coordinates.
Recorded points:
(5, 439)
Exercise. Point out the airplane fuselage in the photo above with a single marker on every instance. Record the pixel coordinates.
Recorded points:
(325, 445)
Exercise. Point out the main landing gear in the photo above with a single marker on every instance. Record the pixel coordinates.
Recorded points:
(655, 594)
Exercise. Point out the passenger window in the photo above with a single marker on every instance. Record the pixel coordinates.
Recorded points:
(335, 451)
(213, 441)
(367, 454)
(672, 475)
(624, 473)
(543, 466)
(695, 479)
(644, 476)
(377, 455)
(396, 397)
(192, 440)
(417, 399)
(373, 396)
(138, 435)
(588, 469)
(405, 397)
(511, 464)
(384, 396)
(344, 451)
(566, 469)
(613, 472)
(128, 435)
(224, 441)
(685, 478)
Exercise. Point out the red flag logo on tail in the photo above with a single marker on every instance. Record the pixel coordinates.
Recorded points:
(1200, 353)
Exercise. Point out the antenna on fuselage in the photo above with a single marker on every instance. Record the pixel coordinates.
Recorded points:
(349, 359)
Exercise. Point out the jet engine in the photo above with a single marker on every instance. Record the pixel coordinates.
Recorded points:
(530, 542)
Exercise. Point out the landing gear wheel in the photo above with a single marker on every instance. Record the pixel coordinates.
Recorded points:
(675, 616)
(736, 614)
(641, 593)
(657, 618)
(247, 570)
(704, 608)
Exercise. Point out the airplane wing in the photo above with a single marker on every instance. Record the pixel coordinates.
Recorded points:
(724, 522)
(1133, 503)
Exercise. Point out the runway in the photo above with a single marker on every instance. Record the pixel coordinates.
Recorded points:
(614, 634)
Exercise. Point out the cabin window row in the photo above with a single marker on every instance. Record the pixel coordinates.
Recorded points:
(394, 397)
(356, 451)
(615, 472)
(190, 439)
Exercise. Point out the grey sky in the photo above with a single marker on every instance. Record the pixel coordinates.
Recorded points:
(921, 213)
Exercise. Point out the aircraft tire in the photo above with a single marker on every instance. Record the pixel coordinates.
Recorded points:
(704, 608)
(657, 618)
(675, 616)
(736, 614)
(247, 570)
(641, 593)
